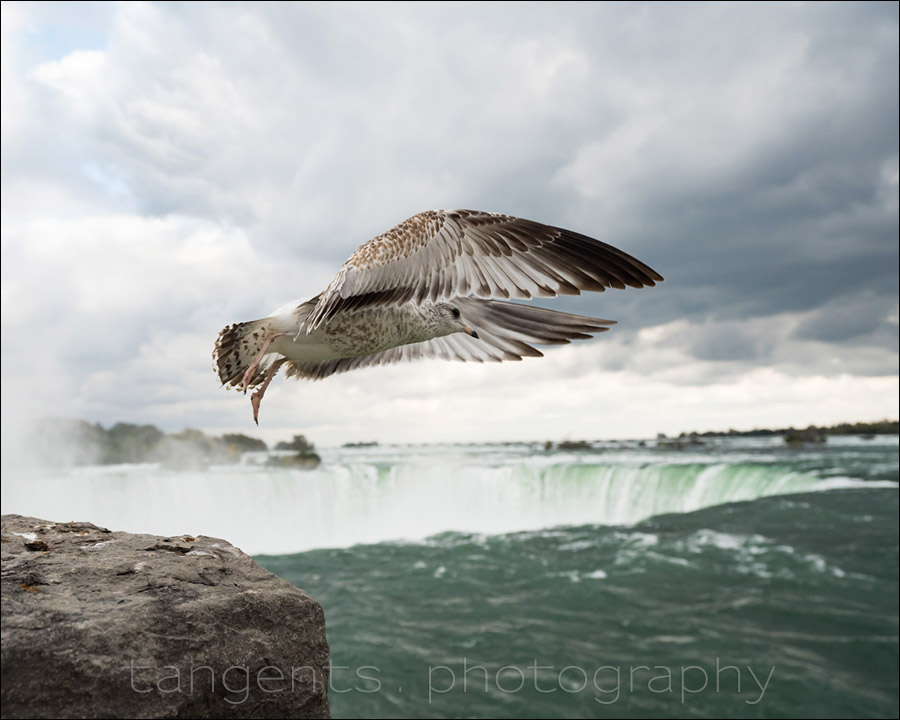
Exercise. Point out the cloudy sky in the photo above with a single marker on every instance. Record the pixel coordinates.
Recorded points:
(170, 168)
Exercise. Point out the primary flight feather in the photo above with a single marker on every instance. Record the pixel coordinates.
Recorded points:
(428, 288)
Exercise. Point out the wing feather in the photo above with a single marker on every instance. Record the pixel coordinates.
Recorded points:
(506, 331)
(441, 254)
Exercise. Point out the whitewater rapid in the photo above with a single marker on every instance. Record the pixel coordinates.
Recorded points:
(386, 494)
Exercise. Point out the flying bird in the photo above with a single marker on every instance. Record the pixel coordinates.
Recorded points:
(429, 288)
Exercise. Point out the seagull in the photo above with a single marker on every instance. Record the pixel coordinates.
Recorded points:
(435, 286)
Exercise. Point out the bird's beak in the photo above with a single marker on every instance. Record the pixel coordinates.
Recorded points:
(469, 331)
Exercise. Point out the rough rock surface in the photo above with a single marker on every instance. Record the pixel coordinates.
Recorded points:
(117, 625)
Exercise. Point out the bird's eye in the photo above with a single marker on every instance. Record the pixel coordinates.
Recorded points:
(455, 312)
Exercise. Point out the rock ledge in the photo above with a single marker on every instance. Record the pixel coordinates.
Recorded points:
(119, 625)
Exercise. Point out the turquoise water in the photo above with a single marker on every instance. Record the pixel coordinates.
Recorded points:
(740, 578)
(783, 604)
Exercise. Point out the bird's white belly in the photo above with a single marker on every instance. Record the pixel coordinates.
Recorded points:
(306, 348)
(365, 332)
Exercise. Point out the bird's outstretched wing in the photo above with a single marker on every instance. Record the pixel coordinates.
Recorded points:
(443, 254)
(506, 331)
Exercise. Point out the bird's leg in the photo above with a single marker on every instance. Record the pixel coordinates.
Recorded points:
(254, 366)
(256, 398)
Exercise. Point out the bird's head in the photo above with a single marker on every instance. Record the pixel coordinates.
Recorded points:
(450, 320)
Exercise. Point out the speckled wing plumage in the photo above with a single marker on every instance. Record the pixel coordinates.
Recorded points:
(506, 331)
(445, 254)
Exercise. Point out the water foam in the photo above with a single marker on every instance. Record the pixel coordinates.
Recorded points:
(351, 500)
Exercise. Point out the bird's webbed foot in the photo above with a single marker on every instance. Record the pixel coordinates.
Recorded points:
(256, 397)
(254, 366)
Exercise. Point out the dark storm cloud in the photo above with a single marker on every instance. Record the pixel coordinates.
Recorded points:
(855, 320)
(805, 213)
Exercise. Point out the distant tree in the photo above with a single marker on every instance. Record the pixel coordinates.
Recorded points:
(299, 444)
(305, 457)
(812, 434)
(127, 443)
(244, 443)
(191, 449)
(882, 427)
(61, 441)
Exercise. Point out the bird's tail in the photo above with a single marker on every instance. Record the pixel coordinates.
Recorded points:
(236, 348)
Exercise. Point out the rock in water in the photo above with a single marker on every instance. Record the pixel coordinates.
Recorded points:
(112, 624)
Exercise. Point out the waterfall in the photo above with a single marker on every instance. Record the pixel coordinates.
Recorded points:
(350, 500)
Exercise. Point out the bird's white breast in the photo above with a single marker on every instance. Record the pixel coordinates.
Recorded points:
(356, 333)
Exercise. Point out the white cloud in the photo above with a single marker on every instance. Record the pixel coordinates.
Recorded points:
(92, 292)
(207, 163)
(518, 402)
(81, 78)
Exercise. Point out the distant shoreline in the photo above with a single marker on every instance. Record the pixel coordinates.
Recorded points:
(881, 427)
(64, 442)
